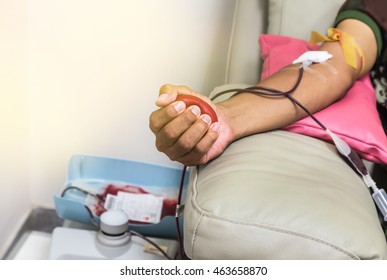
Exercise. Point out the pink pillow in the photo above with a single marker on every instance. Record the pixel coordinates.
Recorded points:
(354, 118)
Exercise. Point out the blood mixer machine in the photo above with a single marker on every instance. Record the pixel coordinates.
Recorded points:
(146, 193)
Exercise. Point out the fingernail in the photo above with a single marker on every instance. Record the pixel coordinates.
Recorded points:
(195, 110)
(162, 97)
(179, 106)
(215, 127)
(206, 119)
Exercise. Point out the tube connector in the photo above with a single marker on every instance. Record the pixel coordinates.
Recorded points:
(370, 183)
(379, 195)
(380, 198)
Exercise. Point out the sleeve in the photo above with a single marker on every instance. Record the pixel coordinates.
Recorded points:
(371, 12)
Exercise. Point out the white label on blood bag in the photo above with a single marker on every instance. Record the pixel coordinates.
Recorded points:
(140, 207)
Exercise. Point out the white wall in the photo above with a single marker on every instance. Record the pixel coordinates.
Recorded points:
(245, 59)
(95, 69)
(82, 77)
(14, 172)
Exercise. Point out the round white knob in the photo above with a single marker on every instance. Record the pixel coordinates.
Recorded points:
(114, 222)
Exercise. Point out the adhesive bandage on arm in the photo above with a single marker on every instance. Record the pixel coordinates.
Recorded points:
(347, 43)
(321, 57)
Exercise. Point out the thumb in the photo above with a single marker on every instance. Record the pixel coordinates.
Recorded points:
(168, 94)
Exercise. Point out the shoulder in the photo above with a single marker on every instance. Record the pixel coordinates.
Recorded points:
(371, 12)
(374, 14)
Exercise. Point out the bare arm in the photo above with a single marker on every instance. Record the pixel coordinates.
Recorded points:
(313, 92)
(189, 137)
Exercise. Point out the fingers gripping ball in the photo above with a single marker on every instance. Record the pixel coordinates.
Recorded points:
(205, 108)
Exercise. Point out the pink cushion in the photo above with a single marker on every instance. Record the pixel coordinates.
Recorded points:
(354, 118)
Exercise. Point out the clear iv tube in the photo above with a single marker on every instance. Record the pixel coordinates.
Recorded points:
(352, 158)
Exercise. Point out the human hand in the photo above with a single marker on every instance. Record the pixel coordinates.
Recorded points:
(186, 134)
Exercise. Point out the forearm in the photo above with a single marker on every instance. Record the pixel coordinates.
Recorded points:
(248, 114)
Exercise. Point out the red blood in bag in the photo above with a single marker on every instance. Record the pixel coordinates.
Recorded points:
(113, 190)
(205, 108)
(169, 204)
